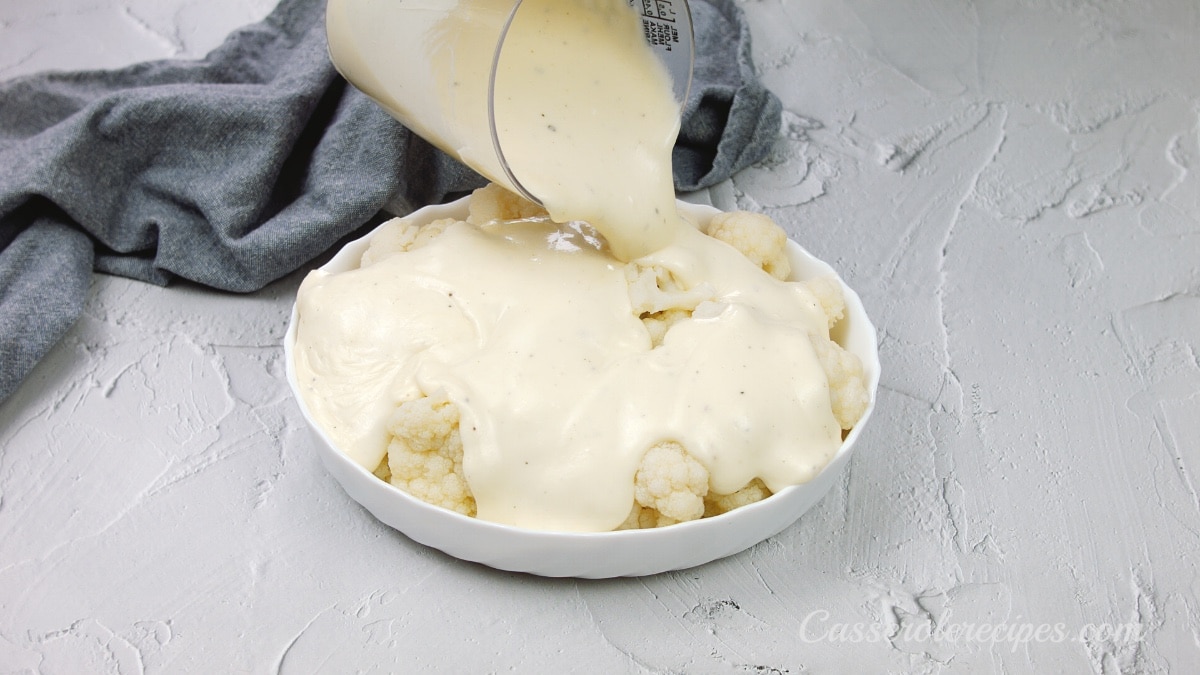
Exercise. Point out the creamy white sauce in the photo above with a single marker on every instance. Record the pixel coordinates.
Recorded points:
(585, 113)
(559, 389)
(587, 119)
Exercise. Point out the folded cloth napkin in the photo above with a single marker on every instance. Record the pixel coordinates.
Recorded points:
(236, 169)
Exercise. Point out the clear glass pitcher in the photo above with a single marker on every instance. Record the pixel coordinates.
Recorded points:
(440, 66)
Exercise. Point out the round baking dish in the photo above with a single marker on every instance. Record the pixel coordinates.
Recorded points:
(604, 554)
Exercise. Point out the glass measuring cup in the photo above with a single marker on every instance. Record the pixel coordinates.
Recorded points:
(666, 27)
(434, 65)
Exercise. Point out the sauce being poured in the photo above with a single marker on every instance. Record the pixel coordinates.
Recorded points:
(584, 112)
(586, 118)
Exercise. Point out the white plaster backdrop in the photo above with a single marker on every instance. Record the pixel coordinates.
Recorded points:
(1012, 188)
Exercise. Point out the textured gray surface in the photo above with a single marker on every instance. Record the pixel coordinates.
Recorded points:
(1012, 188)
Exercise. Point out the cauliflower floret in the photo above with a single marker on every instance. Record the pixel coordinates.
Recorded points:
(671, 482)
(847, 386)
(487, 204)
(659, 323)
(672, 487)
(394, 236)
(493, 203)
(398, 235)
(642, 518)
(829, 293)
(659, 300)
(654, 289)
(431, 231)
(425, 454)
(757, 237)
(754, 491)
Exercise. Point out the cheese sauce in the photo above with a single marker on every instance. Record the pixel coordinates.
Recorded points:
(559, 389)
(585, 114)
(586, 118)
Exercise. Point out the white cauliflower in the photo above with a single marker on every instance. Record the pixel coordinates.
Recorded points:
(828, 292)
(425, 454)
(394, 236)
(847, 385)
(671, 487)
(660, 300)
(671, 482)
(757, 237)
(653, 289)
(398, 235)
(487, 204)
(492, 203)
(658, 323)
(716, 504)
(642, 518)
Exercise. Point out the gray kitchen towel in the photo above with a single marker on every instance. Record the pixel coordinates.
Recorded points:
(233, 170)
